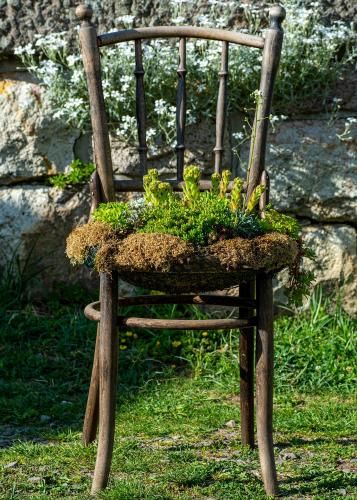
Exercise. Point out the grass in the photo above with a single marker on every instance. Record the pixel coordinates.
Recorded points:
(176, 394)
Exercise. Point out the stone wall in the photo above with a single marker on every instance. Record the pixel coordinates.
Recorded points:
(312, 166)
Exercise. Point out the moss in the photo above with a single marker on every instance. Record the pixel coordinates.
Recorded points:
(152, 252)
(83, 238)
(269, 251)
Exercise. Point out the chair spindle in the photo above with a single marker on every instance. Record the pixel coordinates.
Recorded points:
(140, 106)
(181, 109)
(221, 108)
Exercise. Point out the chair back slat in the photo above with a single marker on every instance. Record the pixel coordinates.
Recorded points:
(181, 109)
(179, 32)
(221, 108)
(140, 106)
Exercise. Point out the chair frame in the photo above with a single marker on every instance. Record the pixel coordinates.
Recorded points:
(256, 294)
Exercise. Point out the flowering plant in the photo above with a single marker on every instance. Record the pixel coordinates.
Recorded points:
(309, 67)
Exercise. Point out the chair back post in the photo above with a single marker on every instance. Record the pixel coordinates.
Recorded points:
(271, 56)
(91, 62)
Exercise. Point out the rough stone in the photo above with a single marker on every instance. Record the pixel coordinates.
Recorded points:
(20, 21)
(335, 266)
(35, 221)
(32, 142)
(313, 172)
(199, 150)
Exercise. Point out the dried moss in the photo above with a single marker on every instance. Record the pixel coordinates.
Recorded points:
(82, 238)
(152, 252)
(157, 252)
(270, 252)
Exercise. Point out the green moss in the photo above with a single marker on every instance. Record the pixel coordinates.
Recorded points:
(116, 214)
(79, 173)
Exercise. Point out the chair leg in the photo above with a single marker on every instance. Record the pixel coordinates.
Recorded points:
(246, 368)
(108, 360)
(264, 380)
(91, 417)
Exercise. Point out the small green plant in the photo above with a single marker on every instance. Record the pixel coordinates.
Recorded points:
(223, 185)
(79, 173)
(282, 223)
(254, 198)
(236, 195)
(117, 214)
(191, 190)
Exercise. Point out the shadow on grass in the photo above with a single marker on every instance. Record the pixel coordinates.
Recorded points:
(306, 483)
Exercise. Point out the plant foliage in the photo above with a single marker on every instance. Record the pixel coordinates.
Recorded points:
(78, 173)
(203, 217)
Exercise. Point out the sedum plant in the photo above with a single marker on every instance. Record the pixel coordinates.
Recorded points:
(202, 218)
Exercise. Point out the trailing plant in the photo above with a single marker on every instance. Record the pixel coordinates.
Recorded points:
(78, 173)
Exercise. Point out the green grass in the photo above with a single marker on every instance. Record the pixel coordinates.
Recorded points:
(176, 393)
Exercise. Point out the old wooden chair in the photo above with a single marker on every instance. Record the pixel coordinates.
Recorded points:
(256, 294)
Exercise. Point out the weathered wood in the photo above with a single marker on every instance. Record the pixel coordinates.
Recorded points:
(246, 367)
(221, 108)
(95, 192)
(264, 383)
(264, 199)
(271, 57)
(128, 185)
(91, 62)
(181, 109)
(186, 324)
(180, 32)
(90, 423)
(108, 359)
(92, 312)
(140, 106)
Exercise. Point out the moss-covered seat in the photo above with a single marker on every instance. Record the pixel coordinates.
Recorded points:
(167, 263)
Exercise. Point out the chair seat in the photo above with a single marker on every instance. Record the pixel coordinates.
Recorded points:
(167, 263)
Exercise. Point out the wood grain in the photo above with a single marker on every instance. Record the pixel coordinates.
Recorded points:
(180, 32)
(181, 109)
(221, 108)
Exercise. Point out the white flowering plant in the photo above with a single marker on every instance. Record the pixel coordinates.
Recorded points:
(311, 63)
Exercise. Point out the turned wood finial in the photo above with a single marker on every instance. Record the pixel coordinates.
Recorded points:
(84, 13)
(276, 15)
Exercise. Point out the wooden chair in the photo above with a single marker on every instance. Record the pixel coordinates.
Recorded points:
(256, 294)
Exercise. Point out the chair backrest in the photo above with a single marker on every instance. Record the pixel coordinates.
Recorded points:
(90, 45)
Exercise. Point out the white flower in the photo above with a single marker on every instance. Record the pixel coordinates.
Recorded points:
(178, 20)
(25, 49)
(238, 136)
(73, 59)
(127, 20)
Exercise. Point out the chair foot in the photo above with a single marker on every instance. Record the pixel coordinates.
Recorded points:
(264, 380)
(91, 417)
(108, 360)
(246, 368)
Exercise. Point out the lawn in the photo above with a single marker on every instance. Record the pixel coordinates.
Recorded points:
(178, 431)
